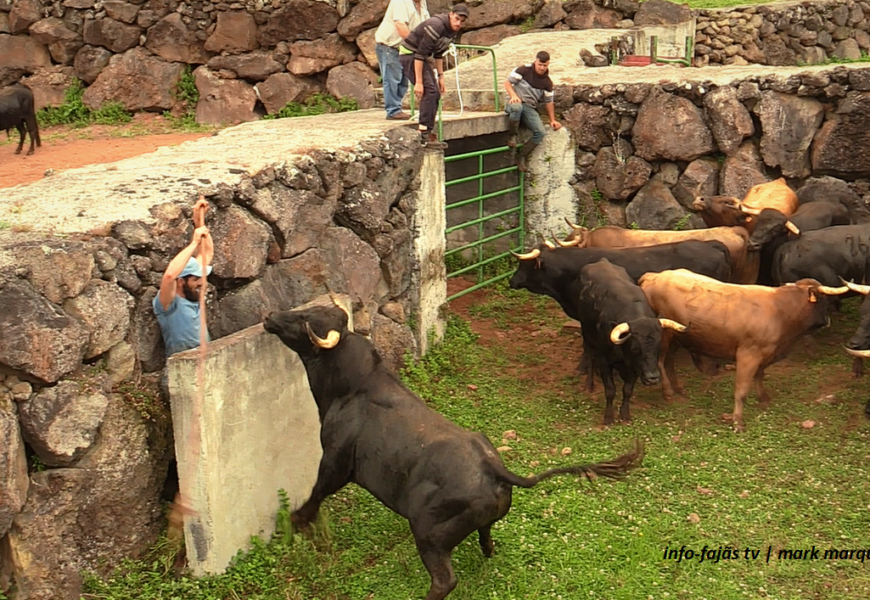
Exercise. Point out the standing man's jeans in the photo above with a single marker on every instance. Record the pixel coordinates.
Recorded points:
(394, 81)
(431, 94)
(529, 117)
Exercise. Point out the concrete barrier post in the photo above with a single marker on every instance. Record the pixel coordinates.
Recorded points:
(549, 198)
(430, 277)
(256, 432)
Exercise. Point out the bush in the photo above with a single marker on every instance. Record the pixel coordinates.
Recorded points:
(317, 104)
(74, 112)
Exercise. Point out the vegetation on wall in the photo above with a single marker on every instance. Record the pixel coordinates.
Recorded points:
(74, 112)
(317, 104)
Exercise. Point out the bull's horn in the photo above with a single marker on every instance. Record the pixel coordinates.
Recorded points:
(331, 340)
(619, 334)
(832, 291)
(334, 297)
(669, 324)
(751, 211)
(859, 353)
(549, 244)
(856, 287)
(574, 226)
(792, 227)
(528, 255)
(575, 242)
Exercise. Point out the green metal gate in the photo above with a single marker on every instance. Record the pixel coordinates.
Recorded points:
(484, 252)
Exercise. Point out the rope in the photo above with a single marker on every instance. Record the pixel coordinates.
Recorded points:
(452, 50)
(183, 503)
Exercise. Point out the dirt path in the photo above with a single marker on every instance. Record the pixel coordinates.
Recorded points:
(64, 147)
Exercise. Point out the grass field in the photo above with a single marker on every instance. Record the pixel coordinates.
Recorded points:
(780, 485)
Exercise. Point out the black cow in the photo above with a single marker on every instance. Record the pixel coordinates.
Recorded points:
(555, 272)
(859, 344)
(825, 255)
(17, 110)
(620, 331)
(772, 230)
(771, 224)
(375, 432)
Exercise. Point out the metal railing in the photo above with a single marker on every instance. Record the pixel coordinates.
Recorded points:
(478, 246)
(454, 51)
(655, 58)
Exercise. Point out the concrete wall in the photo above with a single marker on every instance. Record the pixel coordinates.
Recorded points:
(255, 430)
(549, 196)
(429, 245)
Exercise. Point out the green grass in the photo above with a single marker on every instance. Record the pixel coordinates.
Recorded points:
(316, 104)
(74, 112)
(713, 4)
(778, 485)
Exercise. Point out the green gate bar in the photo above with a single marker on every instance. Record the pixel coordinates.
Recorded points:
(483, 218)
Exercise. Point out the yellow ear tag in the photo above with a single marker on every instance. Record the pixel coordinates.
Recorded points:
(813, 297)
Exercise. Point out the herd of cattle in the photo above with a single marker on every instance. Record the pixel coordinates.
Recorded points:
(637, 295)
(743, 290)
(17, 110)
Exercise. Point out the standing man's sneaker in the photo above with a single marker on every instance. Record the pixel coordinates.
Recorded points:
(431, 142)
(399, 116)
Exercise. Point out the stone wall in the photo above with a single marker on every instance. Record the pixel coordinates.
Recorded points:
(252, 58)
(791, 34)
(645, 151)
(85, 438)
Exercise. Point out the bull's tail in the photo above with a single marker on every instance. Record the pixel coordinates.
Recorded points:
(612, 469)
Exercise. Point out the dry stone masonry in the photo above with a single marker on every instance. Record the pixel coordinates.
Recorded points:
(86, 440)
(251, 58)
(645, 151)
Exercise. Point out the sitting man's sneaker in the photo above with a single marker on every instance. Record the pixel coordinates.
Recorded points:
(399, 116)
(431, 142)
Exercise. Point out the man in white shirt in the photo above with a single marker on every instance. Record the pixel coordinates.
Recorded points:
(401, 18)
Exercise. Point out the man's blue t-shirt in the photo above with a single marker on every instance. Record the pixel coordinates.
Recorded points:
(179, 324)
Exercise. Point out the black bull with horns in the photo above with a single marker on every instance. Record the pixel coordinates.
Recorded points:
(620, 331)
(375, 432)
(555, 271)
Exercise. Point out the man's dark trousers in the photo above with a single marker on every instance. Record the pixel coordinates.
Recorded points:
(429, 104)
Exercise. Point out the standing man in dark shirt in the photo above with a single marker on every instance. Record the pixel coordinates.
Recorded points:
(528, 86)
(430, 39)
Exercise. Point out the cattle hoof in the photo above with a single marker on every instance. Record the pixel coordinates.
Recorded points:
(738, 427)
(608, 420)
(18, 152)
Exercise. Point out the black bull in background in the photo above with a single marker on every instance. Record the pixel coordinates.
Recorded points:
(375, 432)
(17, 110)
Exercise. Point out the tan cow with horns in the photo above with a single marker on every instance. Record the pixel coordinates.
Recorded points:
(751, 324)
(729, 211)
(744, 264)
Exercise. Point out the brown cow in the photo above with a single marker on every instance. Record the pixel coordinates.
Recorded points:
(751, 324)
(744, 264)
(729, 211)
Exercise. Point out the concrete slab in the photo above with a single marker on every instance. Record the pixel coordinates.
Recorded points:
(254, 430)
(89, 198)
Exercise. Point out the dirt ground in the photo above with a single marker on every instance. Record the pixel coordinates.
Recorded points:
(65, 147)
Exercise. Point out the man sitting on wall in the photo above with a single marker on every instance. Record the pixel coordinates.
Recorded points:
(430, 39)
(528, 86)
